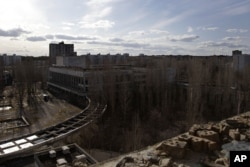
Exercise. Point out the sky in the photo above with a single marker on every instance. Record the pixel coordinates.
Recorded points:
(151, 27)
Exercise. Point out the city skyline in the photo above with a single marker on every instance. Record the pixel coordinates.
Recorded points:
(117, 26)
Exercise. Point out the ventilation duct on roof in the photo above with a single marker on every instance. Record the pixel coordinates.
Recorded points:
(52, 153)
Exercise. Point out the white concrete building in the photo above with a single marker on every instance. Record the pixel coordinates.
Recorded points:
(82, 81)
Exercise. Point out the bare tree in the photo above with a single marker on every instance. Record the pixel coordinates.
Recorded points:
(242, 81)
(133, 138)
(26, 77)
(1, 74)
(194, 93)
(20, 84)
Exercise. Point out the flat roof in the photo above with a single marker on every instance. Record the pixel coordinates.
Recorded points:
(67, 154)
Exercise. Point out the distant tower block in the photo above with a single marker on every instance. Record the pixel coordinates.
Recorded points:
(240, 61)
(60, 49)
(237, 52)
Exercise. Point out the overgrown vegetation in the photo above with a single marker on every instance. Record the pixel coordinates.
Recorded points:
(26, 76)
(139, 114)
(176, 92)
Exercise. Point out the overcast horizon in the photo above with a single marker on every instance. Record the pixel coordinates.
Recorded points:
(184, 27)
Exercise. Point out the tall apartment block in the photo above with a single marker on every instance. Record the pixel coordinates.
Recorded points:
(240, 61)
(60, 49)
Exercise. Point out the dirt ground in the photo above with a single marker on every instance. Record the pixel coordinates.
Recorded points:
(40, 115)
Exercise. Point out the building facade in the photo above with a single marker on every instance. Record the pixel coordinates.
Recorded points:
(60, 49)
(83, 82)
(240, 61)
(9, 60)
(7, 64)
(90, 60)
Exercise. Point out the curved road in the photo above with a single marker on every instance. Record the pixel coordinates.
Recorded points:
(21, 145)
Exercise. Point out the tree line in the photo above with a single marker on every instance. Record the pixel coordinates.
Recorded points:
(177, 92)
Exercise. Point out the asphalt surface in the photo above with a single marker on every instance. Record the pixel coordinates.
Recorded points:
(40, 116)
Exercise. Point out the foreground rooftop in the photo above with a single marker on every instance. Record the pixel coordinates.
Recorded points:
(203, 145)
(68, 155)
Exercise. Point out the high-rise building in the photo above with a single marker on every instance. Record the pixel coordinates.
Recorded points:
(240, 61)
(10, 60)
(60, 49)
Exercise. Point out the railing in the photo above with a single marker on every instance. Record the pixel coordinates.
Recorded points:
(14, 147)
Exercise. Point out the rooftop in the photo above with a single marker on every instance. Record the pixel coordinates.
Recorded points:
(206, 144)
(70, 155)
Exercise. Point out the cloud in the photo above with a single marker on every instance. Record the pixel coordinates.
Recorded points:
(61, 37)
(68, 23)
(97, 14)
(133, 45)
(232, 38)
(66, 28)
(98, 24)
(36, 38)
(94, 3)
(165, 22)
(221, 44)
(137, 33)
(234, 30)
(16, 32)
(237, 8)
(152, 33)
(14, 39)
(157, 31)
(24, 13)
(49, 36)
(69, 37)
(123, 44)
(208, 28)
(190, 29)
(183, 38)
(96, 17)
(40, 26)
(116, 39)
(105, 12)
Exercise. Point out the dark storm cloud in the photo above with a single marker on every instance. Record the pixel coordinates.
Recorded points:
(16, 32)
